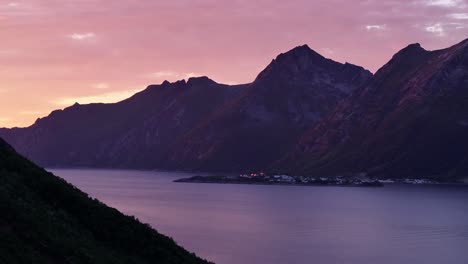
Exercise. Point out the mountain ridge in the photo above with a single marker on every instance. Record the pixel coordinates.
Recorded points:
(293, 91)
(303, 114)
(390, 127)
(144, 130)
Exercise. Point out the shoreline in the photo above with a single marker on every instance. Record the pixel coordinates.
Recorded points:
(267, 181)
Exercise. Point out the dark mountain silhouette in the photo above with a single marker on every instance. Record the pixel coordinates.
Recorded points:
(198, 124)
(256, 129)
(134, 133)
(45, 220)
(411, 120)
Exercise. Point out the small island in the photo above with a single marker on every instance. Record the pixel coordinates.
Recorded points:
(263, 179)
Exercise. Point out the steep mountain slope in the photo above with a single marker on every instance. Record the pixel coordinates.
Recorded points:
(289, 96)
(411, 120)
(134, 133)
(46, 220)
(195, 125)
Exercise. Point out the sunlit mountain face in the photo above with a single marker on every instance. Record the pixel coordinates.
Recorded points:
(56, 53)
(409, 121)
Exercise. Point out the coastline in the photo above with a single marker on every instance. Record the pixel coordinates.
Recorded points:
(290, 181)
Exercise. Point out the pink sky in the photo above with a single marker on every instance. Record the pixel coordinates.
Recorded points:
(56, 52)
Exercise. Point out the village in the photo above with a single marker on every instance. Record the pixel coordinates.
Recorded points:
(309, 180)
(283, 179)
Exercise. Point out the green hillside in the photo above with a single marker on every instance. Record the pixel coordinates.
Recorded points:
(43, 219)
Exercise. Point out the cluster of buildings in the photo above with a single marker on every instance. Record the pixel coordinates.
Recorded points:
(358, 179)
(269, 178)
(306, 180)
(253, 175)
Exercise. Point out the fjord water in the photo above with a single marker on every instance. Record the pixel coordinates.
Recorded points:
(256, 224)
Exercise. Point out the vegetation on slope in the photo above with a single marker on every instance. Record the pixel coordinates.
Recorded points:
(46, 220)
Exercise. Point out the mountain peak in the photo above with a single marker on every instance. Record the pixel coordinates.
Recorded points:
(406, 58)
(202, 80)
(299, 48)
(167, 83)
(298, 60)
(299, 51)
(412, 49)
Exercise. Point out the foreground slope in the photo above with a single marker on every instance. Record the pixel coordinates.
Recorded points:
(198, 124)
(411, 120)
(45, 220)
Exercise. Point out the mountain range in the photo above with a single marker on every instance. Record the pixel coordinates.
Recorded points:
(198, 124)
(410, 120)
(303, 114)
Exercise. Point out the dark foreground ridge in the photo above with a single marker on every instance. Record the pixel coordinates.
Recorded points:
(43, 219)
(285, 180)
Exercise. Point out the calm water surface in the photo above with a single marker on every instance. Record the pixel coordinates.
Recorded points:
(255, 224)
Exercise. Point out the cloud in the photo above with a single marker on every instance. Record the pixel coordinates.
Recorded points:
(436, 29)
(445, 3)
(375, 27)
(171, 75)
(25, 10)
(111, 97)
(460, 16)
(328, 51)
(163, 74)
(84, 36)
(101, 85)
(458, 25)
(191, 74)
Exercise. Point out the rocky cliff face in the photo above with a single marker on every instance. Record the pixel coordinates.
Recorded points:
(409, 121)
(288, 97)
(198, 124)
